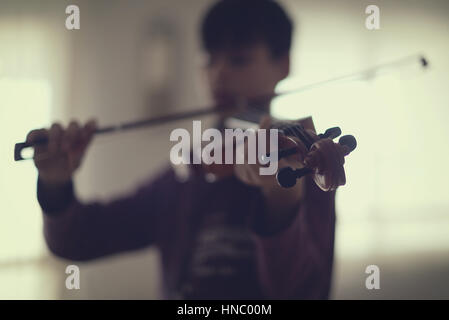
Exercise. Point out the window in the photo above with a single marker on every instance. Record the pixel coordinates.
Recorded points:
(25, 104)
(28, 73)
(395, 198)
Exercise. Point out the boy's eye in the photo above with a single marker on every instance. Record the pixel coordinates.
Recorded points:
(235, 60)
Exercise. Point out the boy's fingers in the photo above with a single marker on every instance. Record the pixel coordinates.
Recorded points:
(88, 130)
(36, 135)
(265, 122)
(54, 137)
(73, 130)
(72, 134)
(91, 125)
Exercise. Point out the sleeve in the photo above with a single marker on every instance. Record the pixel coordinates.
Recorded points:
(80, 232)
(296, 262)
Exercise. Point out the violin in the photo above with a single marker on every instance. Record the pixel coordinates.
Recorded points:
(322, 158)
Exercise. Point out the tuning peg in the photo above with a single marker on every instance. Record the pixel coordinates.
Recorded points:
(348, 141)
(287, 177)
(330, 133)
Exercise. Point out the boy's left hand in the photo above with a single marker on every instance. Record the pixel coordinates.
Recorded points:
(278, 200)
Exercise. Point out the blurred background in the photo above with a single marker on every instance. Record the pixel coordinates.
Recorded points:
(135, 59)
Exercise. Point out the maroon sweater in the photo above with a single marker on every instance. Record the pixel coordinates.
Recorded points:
(208, 234)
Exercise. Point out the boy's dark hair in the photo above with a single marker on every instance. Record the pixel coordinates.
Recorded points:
(239, 23)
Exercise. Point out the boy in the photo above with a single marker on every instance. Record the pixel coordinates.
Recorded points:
(241, 237)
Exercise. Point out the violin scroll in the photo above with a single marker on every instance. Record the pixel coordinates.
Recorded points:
(324, 161)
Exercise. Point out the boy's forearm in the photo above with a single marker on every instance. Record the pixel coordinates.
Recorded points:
(281, 207)
(54, 199)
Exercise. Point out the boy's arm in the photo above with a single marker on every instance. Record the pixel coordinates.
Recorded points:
(295, 262)
(78, 231)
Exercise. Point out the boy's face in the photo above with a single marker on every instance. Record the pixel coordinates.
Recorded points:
(247, 72)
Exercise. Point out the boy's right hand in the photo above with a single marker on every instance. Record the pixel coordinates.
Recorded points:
(59, 159)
